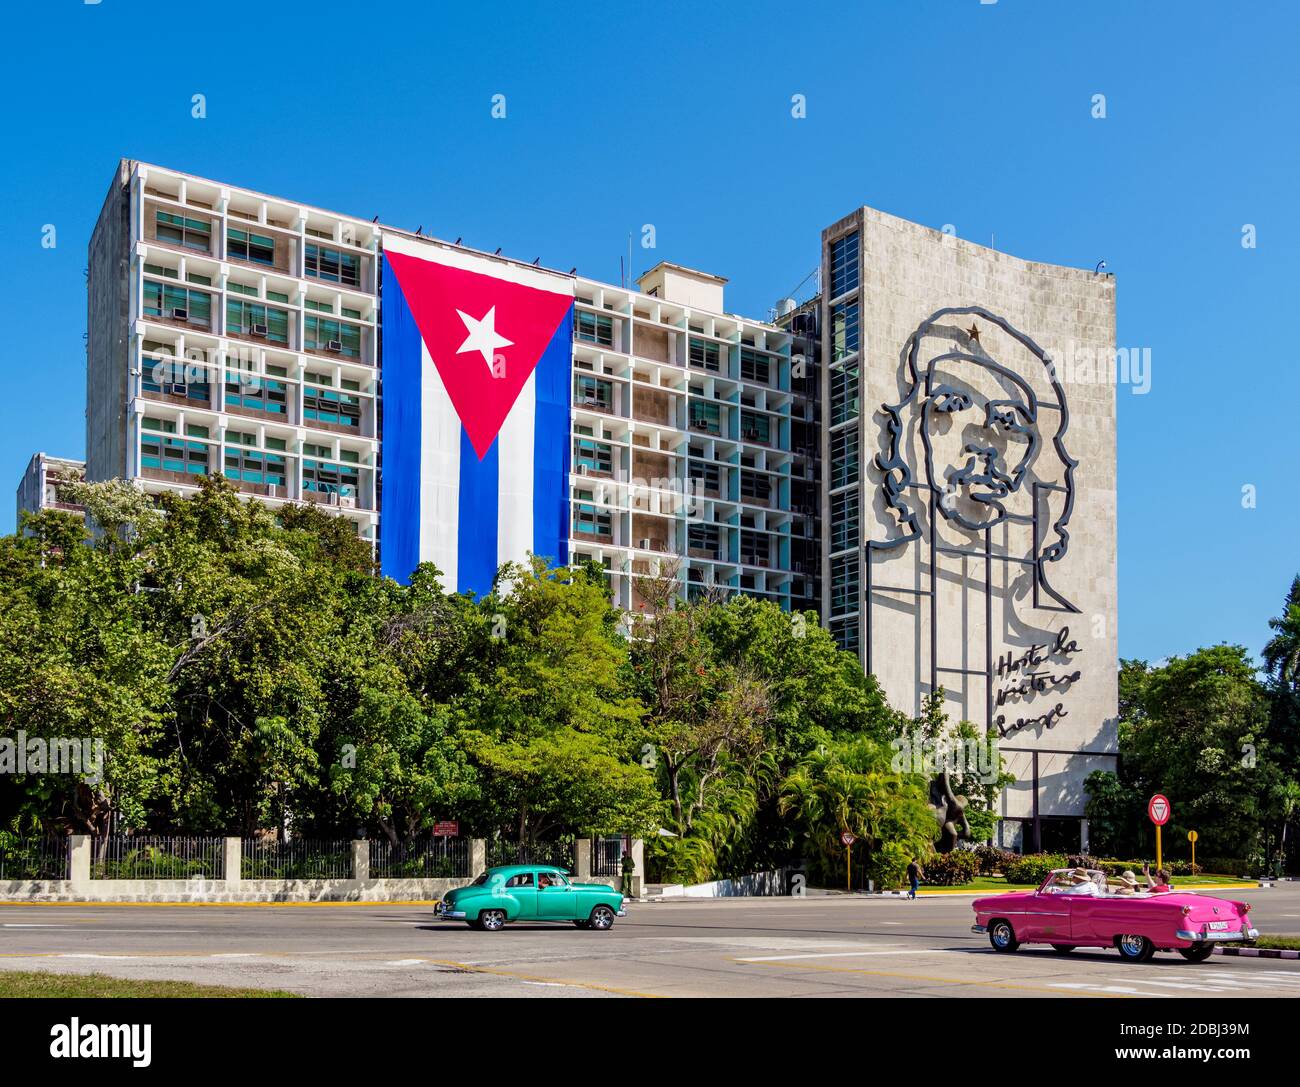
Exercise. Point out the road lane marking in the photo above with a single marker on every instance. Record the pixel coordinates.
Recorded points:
(1110, 990)
(931, 977)
(470, 968)
(849, 954)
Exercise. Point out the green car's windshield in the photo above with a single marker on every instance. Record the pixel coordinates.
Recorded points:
(482, 879)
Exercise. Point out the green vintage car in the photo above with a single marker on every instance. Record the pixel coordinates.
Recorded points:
(531, 892)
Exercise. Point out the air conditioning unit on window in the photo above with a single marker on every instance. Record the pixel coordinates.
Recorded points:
(347, 501)
(257, 330)
(181, 314)
(582, 469)
(644, 545)
(334, 345)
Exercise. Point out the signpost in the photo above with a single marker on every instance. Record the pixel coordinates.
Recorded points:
(1191, 837)
(446, 828)
(1159, 809)
(848, 838)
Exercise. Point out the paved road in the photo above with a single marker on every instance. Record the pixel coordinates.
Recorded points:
(815, 946)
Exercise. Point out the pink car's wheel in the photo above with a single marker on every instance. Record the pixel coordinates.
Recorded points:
(1135, 948)
(1197, 954)
(1002, 936)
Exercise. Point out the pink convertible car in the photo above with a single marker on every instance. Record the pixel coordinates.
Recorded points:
(1068, 912)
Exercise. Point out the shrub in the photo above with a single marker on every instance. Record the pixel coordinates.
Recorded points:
(1033, 867)
(951, 869)
(992, 859)
(1227, 866)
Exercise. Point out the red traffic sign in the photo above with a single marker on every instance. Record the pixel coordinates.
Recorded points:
(1159, 809)
(848, 837)
(446, 829)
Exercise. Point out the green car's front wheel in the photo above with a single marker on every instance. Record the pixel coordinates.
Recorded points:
(492, 920)
(602, 919)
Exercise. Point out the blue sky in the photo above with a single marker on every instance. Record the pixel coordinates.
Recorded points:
(679, 115)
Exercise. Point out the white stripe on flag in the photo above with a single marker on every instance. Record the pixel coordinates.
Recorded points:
(439, 473)
(515, 450)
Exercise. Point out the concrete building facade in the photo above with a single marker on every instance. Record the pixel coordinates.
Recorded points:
(970, 503)
(41, 487)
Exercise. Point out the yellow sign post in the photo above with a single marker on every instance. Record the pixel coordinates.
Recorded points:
(1191, 837)
(1159, 809)
(848, 838)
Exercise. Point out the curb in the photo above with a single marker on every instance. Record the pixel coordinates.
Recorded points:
(1258, 952)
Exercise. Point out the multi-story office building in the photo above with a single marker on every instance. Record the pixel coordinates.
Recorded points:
(969, 500)
(42, 484)
(233, 332)
(684, 440)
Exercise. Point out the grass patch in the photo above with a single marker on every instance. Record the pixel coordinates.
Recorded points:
(41, 983)
(1279, 943)
(999, 883)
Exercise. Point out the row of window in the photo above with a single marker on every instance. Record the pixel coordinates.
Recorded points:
(189, 457)
(319, 262)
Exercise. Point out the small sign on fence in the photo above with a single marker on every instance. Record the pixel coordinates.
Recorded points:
(446, 828)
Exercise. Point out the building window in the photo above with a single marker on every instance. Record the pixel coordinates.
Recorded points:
(844, 584)
(332, 265)
(327, 334)
(595, 457)
(326, 478)
(754, 366)
(245, 245)
(178, 304)
(755, 550)
(167, 376)
(844, 330)
(591, 521)
(260, 394)
(705, 355)
(707, 474)
(755, 427)
(844, 520)
(844, 457)
(703, 538)
(187, 233)
(594, 328)
(173, 455)
(755, 485)
(255, 319)
(249, 467)
(330, 406)
(844, 265)
(844, 393)
(706, 417)
(592, 392)
(846, 634)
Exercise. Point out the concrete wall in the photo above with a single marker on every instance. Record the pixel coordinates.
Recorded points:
(109, 338)
(908, 274)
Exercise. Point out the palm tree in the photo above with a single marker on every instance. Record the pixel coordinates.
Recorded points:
(1282, 654)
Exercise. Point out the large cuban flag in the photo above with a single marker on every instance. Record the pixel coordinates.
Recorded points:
(477, 389)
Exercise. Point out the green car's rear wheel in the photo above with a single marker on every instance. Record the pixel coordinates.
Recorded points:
(602, 918)
(492, 919)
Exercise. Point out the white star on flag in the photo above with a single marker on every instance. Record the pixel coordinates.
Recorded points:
(483, 336)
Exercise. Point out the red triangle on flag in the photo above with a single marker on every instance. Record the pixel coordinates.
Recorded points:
(485, 335)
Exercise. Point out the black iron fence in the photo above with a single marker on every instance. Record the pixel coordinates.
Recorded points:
(559, 853)
(44, 857)
(301, 858)
(425, 858)
(607, 856)
(122, 856)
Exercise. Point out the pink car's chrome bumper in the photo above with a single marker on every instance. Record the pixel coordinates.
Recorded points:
(1207, 937)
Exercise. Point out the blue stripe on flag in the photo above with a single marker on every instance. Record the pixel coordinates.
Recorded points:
(401, 365)
(552, 448)
(476, 533)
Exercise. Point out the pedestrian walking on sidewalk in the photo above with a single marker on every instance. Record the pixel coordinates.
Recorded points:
(914, 877)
